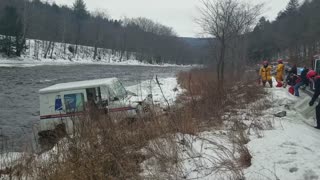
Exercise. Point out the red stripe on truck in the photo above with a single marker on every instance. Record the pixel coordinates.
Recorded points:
(121, 109)
(60, 115)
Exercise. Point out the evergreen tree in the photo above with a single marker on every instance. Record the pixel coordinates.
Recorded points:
(262, 24)
(11, 28)
(80, 12)
(262, 44)
(292, 7)
(294, 34)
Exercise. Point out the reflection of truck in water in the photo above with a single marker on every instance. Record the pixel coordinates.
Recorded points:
(60, 102)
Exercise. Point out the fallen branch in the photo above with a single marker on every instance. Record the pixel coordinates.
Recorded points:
(157, 80)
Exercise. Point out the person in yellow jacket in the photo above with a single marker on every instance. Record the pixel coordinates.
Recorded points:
(280, 71)
(265, 74)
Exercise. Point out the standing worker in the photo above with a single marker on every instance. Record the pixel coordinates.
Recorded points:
(304, 81)
(291, 77)
(265, 73)
(280, 72)
(313, 75)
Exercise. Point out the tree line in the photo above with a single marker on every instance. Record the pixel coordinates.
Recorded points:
(293, 35)
(147, 40)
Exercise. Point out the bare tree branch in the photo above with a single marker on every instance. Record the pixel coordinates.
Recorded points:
(226, 21)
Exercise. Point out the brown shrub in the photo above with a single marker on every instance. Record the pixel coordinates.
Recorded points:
(210, 104)
(104, 147)
(245, 157)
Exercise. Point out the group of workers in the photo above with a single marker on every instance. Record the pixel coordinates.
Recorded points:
(294, 80)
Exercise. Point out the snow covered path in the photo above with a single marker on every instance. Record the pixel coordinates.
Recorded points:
(291, 150)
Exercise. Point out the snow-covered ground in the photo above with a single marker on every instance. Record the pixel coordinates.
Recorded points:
(289, 150)
(292, 149)
(34, 55)
(205, 156)
(167, 92)
(9, 159)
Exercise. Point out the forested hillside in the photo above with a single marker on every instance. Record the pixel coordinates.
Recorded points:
(295, 34)
(148, 40)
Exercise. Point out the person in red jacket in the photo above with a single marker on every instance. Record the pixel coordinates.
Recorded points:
(313, 75)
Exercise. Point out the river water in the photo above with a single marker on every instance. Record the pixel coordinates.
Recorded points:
(19, 99)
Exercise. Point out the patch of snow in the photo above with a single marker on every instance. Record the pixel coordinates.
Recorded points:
(291, 149)
(9, 159)
(199, 157)
(169, 86)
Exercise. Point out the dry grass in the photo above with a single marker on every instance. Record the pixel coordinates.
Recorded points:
(206, 103)
(245, 157)
(105, 147)
(110, 148)
(211, 105)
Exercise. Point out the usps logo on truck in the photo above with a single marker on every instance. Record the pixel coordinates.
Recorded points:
(58, 104)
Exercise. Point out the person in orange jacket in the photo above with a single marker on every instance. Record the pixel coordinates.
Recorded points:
(265, 74)
(280, 71)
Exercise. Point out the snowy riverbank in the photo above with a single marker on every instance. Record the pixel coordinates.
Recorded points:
(287, 148)
(291, 149)
(4, 62)
(37, 54)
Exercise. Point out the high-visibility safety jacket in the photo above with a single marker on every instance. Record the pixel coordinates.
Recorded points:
(280, 72)
(265, 73)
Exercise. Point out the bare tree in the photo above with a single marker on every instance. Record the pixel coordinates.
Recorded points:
(226, 20)
(100, 17)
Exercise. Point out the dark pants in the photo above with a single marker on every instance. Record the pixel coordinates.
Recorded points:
(296, 88)
(318, 115)
(264, 83)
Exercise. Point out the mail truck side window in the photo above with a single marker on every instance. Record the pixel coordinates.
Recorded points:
(118, 90)
(74, 102)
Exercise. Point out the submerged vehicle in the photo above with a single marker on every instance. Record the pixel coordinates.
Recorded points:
(60, 102)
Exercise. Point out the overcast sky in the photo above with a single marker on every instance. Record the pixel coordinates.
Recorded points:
(179, 14)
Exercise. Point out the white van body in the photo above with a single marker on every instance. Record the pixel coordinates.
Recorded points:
(61, 101)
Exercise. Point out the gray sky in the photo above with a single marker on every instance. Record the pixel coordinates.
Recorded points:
(179, 14)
